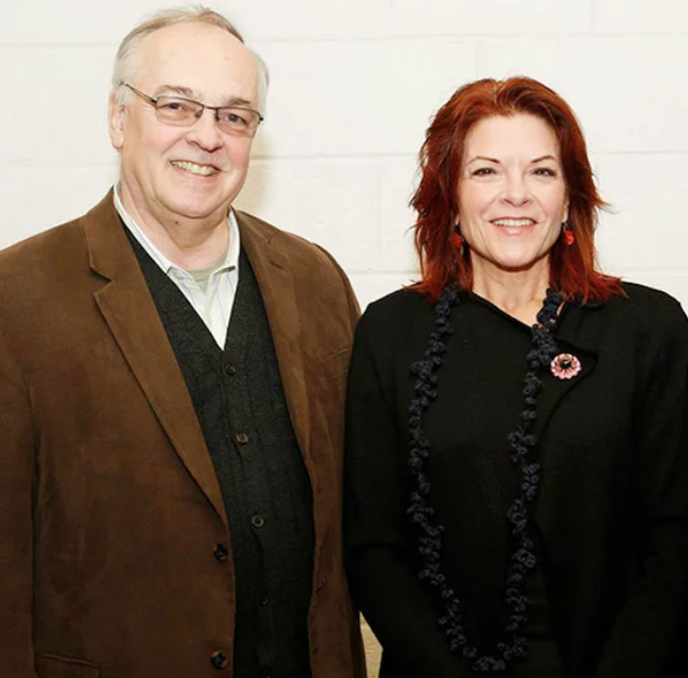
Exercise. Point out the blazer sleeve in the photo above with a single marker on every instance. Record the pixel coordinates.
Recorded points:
(352, 302)
(378, 552)
(16, 533)
(355, 638)
(646, 635)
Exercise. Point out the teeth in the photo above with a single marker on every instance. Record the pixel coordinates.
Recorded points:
(203, 170)
(514, 223)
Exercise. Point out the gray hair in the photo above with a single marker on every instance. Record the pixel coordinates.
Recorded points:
(127, 63)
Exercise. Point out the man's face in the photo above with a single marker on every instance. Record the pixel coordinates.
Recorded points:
(175, 176)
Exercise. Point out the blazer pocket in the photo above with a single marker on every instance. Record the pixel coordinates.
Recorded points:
(55, 666)
(336, 363)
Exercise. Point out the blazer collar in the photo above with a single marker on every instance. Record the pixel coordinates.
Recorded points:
(128, 308)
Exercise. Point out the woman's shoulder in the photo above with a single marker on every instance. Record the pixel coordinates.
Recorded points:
(395, 314)
(648, 312)
(647, 303)
(399, 301)
(648, 296)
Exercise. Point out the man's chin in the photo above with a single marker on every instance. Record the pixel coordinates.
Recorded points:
(192, 212)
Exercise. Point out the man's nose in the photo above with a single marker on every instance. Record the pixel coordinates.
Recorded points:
(205, 130)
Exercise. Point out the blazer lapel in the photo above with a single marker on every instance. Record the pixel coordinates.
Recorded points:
(276, 282)
(129, 310)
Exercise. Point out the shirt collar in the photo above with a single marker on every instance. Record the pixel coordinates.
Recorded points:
(228, 263)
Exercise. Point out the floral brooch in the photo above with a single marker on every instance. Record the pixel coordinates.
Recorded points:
(565, 366)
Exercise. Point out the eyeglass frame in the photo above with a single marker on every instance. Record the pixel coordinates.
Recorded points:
(153, 101)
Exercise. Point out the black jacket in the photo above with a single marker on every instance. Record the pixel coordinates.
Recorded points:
(612, 509)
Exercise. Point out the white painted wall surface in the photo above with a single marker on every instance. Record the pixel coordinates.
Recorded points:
(354, 83)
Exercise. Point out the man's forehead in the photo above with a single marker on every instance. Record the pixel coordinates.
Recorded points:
(193, 44)
(204, 60)
(193, 31)
(198, 95)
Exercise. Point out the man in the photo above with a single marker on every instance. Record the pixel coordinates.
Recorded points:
(170, 479)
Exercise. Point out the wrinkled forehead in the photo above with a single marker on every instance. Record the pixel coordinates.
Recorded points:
(206, 60)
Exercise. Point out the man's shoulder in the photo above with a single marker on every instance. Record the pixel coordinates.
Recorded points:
(287, 243)
(312, 266)
(312, 272)
(47, 249)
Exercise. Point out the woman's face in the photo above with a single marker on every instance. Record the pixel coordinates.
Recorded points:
(512, 195)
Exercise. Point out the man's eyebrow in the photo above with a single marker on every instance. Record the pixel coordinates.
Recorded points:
(237, 101)
(192, 94)
(179, 89)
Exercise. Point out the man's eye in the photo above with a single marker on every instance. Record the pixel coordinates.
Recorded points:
(174, 105)
(235, 117)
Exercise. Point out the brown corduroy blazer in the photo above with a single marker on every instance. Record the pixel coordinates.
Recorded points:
(110, 509)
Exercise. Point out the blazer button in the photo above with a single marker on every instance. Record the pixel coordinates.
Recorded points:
(257, 522)
(219, 659)
(241, 438)
(221, 552)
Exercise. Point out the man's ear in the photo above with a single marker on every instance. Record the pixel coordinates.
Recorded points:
(116, 120)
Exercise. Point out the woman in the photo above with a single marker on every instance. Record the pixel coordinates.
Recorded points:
(517, 469)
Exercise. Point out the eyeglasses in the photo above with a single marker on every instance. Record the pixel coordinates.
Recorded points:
(237, 120)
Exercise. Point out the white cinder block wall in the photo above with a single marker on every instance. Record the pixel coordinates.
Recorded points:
(354, 83)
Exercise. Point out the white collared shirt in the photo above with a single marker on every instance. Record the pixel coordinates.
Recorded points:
(213, 304)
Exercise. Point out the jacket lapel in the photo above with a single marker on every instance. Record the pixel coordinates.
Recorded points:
(580, 339)
(129, 310)
(276, 282)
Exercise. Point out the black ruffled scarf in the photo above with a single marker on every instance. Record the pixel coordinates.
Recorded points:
(519, 443)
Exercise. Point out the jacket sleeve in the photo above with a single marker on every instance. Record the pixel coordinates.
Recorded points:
(355, 638)
(16, 532)
(646, 635)
(352, 302)
(378, 550)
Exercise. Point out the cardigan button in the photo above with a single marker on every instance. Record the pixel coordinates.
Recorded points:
(230, 370)
(219, 659)
(257, 522)
(241, 438)
(221, 552)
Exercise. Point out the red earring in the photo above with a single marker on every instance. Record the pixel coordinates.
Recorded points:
(568, 235)
(457, 240)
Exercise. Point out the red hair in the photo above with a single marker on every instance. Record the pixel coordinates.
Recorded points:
(572, 268)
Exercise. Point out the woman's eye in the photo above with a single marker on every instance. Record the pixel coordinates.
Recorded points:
(545, 172)
(483, 171)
